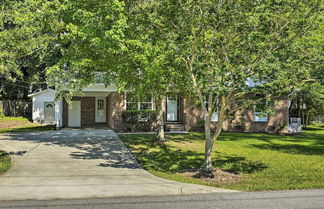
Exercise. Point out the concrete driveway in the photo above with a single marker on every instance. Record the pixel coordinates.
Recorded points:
(79, 164)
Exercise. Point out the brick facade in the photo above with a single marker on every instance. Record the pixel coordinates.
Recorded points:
(115, 107)
(88, 111)
(191, 116)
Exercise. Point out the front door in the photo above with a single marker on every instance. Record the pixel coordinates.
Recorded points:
(74, 114)
(172, 108)
(100, 110)
(49, 112)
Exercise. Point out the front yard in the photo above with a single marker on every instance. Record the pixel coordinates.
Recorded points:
(14, 124)
(245, 161)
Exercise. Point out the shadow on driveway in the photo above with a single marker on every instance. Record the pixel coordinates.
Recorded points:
(90, 144)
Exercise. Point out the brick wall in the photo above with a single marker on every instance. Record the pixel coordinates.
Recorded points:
(193, 118)
(88, 105)
(191, 115)
(115, 105)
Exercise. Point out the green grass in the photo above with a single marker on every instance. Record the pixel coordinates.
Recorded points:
(18, 124)
(266, 162)
(2, 119)
(4, 162)
(27, 128)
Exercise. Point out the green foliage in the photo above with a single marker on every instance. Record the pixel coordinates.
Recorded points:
(136, 116)
(71, 39)
(266, 162)
(139, 120)
(223, 44)
(5, 162)
(3, 118)
(309, 101)
(280, 126)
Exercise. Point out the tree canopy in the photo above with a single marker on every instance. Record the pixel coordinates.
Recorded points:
(82, 38)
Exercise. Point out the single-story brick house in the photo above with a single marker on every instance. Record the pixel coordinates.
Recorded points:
(101, 106)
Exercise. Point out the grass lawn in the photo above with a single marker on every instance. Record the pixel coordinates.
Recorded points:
(4, 162)
(263, 161)
(15, 124)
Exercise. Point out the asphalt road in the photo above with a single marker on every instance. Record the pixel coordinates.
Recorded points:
(312, 199)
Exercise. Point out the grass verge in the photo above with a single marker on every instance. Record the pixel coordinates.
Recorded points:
(5, 162)
(18, 124)
(27, 128)
(263, 161)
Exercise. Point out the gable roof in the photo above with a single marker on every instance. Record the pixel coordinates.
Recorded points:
(41, 92)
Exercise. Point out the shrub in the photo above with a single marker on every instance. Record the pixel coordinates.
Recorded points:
(280, 126)
(139, 120)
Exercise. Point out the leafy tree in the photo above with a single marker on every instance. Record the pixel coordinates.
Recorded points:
(145, 68)
(25, 46)
(93, 38)
(308, 96)
(222, 44)
(83, 37)
(309, 101)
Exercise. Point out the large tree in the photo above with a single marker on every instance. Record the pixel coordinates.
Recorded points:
(222, 44)
(84, 37)
(25, 45)
(145, 68)
(307, 99)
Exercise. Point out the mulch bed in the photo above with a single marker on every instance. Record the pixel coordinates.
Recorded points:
(219, 176)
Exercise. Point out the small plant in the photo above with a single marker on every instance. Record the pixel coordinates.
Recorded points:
(280, 126)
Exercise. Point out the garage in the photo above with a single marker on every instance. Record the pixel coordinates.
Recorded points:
(46, 110)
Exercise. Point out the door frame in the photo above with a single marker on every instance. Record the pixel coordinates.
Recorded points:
(178, 110)
(69, 109)
(51, 122)
(105, 109)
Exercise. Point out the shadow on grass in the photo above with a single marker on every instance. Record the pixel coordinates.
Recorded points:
(165, 158)
(320, 128)
(293, 148)
(225, 136)
(315, 138)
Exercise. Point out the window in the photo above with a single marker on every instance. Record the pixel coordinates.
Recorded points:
(135, 103)
(259, 114)
(100, 104)
(214, 117)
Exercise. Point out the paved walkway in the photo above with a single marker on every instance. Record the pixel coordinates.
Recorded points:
(79, 164)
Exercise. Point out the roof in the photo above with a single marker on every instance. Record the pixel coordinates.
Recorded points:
(41, 92)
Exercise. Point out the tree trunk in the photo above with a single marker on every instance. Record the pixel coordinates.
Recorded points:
(302, 118)
(298, 106)
(208, 166)
(160, 120)
(307, 118)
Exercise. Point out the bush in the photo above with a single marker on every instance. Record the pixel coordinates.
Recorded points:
(139, 120)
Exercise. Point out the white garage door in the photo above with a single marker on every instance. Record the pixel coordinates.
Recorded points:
(74, 114)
